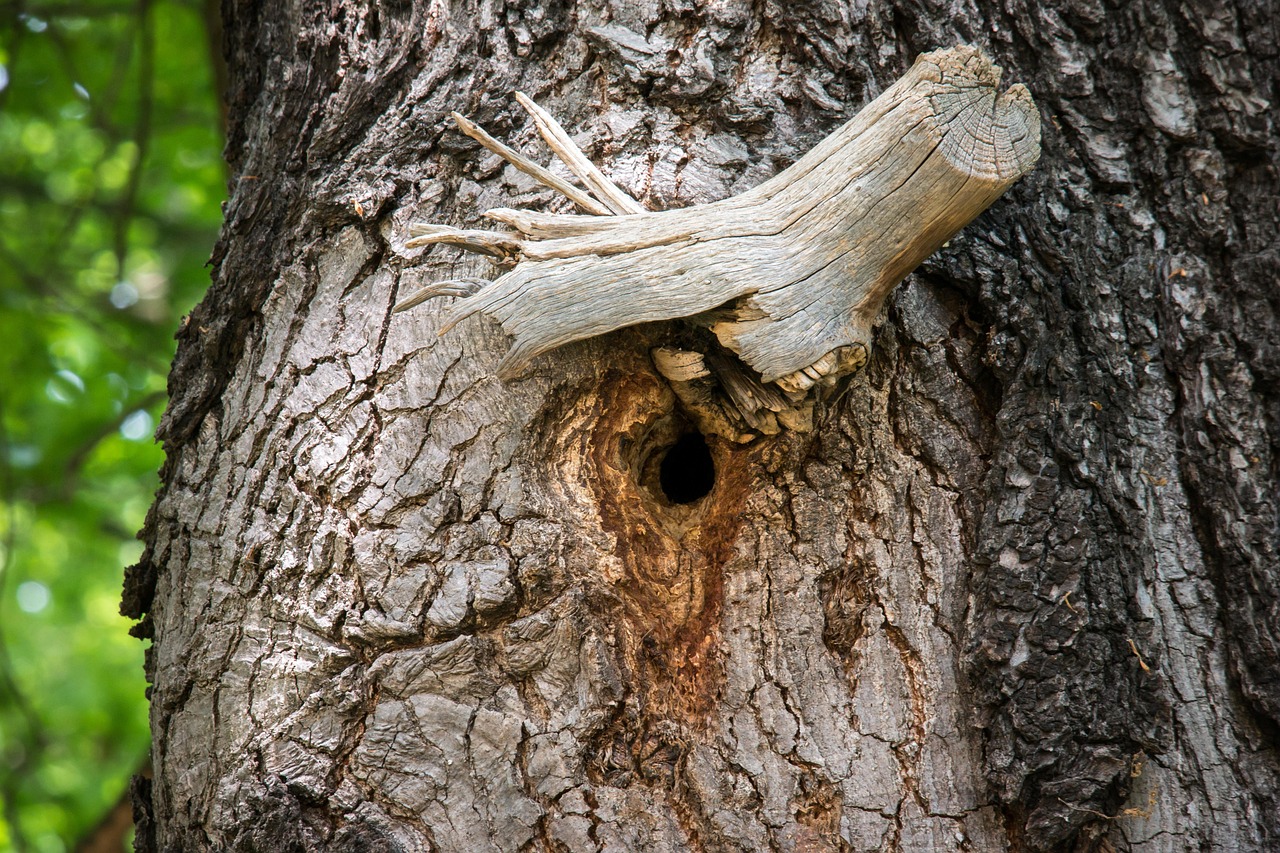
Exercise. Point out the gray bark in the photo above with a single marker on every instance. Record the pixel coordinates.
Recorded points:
(1018, 589)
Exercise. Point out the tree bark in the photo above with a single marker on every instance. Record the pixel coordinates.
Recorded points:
(1017, 590)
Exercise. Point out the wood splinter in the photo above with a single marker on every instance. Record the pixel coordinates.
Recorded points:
(789, 276)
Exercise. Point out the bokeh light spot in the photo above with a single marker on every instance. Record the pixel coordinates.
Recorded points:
(33, 596)
(137, 426)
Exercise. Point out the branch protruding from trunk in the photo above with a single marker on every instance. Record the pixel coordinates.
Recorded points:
(790, 275)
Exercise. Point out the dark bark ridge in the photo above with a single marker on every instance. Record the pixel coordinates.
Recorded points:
(1060, 460)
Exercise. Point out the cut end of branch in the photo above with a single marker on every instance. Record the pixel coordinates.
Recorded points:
(993, 136)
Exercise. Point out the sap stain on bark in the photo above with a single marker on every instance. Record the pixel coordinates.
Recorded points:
(671, 554)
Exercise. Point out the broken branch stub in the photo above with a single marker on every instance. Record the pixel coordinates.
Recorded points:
(789, 275)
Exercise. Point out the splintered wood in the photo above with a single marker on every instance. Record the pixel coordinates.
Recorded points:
(789, 276)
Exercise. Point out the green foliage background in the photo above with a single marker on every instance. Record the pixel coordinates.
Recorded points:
(110, 182)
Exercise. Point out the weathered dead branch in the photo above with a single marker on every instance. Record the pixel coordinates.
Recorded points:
(789, 275)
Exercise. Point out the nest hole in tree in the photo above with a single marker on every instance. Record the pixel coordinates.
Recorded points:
(687, 472)
(677, 469)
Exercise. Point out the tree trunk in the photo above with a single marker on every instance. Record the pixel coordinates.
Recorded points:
(1017, 590)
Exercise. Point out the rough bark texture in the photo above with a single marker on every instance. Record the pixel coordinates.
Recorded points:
(1018, 590)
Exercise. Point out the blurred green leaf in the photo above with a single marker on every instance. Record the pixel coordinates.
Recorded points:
(110, 184)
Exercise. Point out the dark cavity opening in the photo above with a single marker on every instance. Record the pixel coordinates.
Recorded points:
(687, 472)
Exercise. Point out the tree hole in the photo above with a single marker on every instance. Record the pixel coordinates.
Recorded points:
(687, 472)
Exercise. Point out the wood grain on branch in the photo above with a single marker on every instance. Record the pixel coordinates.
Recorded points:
(791, 274)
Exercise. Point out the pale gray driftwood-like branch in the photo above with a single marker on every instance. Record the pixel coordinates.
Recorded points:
(789, 275)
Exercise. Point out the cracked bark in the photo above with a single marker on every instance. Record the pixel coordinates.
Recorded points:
(1016, 591)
